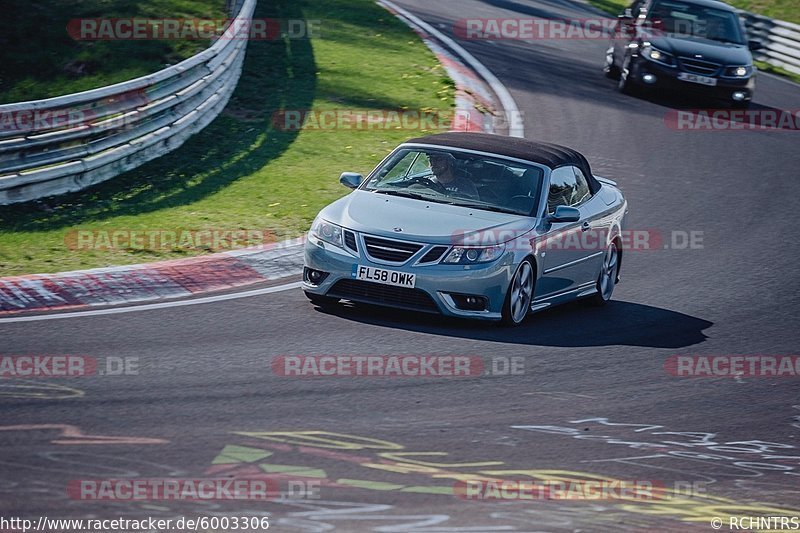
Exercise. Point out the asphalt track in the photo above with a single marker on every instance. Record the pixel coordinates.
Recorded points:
(594, 384)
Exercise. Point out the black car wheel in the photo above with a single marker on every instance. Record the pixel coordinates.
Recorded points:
(626, 85)
(611, 69)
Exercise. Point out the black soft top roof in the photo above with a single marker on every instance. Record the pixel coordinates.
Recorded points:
(550, 155)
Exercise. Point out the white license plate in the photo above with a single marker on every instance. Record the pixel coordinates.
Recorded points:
(694, 78)
(386, 277)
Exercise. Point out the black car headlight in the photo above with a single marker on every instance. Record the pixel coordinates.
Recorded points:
(657, 56)
(327, 232)
(464, 255)
(738, 71)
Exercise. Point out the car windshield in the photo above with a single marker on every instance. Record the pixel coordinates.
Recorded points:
(681, 19)
(458, 178)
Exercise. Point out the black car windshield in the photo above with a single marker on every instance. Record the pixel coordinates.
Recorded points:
(681, 19)
(458, 178)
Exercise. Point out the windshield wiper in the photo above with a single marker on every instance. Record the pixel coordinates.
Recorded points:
(487, 207)
(408, 194)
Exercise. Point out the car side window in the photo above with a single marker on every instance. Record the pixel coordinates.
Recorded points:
(582, 191)
(568, 186)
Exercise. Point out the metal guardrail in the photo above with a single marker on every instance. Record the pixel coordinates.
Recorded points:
(781, 40)
(68, 143)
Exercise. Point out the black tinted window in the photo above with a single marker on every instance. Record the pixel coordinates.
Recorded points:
(568, 186)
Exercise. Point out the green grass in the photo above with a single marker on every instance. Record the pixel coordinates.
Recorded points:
(766, 67)
(240, 173)
(38, 58)
(787, 10)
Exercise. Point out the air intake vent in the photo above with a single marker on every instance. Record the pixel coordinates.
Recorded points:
(350, 241)
(375, 293)
(392, 251)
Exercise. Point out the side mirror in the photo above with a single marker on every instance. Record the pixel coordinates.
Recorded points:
(351, 179)
(754, 46)
(565, 214)
(626, 15)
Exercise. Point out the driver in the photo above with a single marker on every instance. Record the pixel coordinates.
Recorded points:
(443, 166)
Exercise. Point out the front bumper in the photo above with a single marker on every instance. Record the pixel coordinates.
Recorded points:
(434, 283)
(667, 78)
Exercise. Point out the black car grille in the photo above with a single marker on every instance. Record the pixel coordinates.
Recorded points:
(394, 251)
(697, 66)
(368, 292)
(434, 254)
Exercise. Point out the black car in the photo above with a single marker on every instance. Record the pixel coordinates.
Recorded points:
(683, 46)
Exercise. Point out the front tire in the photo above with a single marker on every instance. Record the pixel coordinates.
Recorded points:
(608, 276)
(611, 70)
(519, 296)
(626, 85)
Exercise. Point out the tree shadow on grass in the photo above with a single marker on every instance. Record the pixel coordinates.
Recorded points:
(276, 75)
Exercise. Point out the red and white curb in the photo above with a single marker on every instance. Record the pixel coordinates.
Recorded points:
(483, 104)
(150, 282)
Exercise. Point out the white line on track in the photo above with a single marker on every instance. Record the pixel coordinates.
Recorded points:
(160, 305)
(506, 100)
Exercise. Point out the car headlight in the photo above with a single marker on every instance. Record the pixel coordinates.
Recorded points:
(462, 255)
(743, 71)
(327, 232)
(659, 56)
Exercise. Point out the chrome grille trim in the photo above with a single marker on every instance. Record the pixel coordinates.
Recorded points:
(382, 250)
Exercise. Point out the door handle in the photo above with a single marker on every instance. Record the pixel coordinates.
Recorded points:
(585, 226)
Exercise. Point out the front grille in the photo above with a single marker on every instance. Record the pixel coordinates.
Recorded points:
(434, 254)
(350, 240)
(393, 251)
(697, 66)
(376, 293)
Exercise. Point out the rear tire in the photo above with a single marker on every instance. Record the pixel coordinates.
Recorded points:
(608, 276)
(519, 296)
(320, 300)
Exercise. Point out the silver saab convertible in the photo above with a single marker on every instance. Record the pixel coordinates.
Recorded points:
(469, 225)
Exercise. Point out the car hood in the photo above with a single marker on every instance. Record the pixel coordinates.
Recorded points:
(430, 222)
(716, 52)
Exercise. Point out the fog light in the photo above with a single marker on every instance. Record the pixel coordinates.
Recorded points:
(650, 79)
(314, 277)
(469, 303)
(738, 96)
